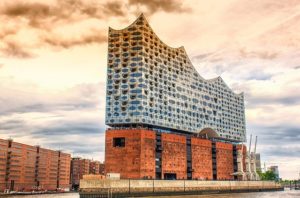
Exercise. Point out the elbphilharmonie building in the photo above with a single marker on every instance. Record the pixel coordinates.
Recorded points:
(151, 84)
(166, 121)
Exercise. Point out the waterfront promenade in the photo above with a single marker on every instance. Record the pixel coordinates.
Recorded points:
(90, 188)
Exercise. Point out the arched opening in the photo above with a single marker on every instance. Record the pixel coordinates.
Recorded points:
(208, 133)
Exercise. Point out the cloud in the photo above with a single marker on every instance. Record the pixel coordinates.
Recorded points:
(7, 32)
(71, 127)
(61, 10)
(282, 151)
(161, 5)
(201, 56)
(57, 41)
(114, 8)
(30, 10)
(14, 100)
(288, 100)
(11, 124)
(71, 119)
(42, 23)
(53, 23)
(258, 54)
(258, 75)
(80, 148)
(16, 50)
(278, 134)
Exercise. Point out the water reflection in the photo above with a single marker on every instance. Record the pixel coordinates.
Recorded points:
(285, 194)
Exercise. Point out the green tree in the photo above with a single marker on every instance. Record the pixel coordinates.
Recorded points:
(268, 175)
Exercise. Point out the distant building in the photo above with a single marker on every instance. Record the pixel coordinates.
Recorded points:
(94, 167)
(275, 170)
(102, 168)
(81, 167)
(26, 168)
(258, 162)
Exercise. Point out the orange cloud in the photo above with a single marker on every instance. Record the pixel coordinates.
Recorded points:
(45, 21)
(164, 5)
(56, 41)
(13, 49)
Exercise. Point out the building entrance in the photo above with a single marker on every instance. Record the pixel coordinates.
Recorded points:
(170, 176)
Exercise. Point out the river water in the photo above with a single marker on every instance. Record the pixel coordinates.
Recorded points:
(278, 194)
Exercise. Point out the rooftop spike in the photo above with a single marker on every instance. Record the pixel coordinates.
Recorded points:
(255, 144)
(250, 143)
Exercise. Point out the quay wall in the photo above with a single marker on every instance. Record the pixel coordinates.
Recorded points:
(127, 187)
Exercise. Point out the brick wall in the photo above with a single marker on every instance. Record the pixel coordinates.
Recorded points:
(47, 172)
(201, 158)
(174, 155)
(64, 170)
(130, 160)
(3, 157)
(22, 166)
(147, 154)
(224, 161)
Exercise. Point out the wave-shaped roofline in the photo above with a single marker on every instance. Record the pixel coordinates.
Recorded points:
(177, 48)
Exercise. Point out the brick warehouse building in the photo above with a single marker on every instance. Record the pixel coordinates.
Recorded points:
(25, 168)
(147, 154)
(81, 167)
(167, 121)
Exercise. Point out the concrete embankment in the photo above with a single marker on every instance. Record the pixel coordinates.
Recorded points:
(140, 188)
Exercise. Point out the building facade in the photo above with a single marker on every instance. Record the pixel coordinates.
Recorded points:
(147, 154)
(154, 85)
(25, 168)
(95, 167)
(258, 162)
(167, 122)
(81, 167)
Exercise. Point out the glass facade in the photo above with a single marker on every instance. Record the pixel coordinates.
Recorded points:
(150, 83)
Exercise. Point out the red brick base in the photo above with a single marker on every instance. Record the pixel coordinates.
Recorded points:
(137, 158)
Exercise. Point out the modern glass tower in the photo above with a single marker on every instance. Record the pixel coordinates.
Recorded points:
(150, 84)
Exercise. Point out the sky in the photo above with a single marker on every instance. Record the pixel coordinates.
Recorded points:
(53, 56)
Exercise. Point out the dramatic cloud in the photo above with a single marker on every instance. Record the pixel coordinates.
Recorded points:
(44, 22)
(284, 135)
(12, 49)
(7, 32)
(56, 41)
(61, 10)
(161, 5)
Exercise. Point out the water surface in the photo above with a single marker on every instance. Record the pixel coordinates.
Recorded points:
(277, 194)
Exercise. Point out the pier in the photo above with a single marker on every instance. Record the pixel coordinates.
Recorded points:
(144, 188)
